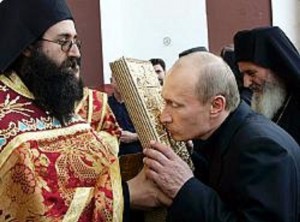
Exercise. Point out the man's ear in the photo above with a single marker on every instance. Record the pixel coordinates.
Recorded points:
(217, 105)
(28, 51)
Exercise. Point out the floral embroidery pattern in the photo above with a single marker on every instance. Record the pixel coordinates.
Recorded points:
(26, 126)
(22, 185)
(46, 164)
(12, 106)
(79, 157)
(3, 88)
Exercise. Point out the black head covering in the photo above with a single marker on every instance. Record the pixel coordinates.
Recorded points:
(229, 57)
(22, 22)
(270, 48)
(195, 49)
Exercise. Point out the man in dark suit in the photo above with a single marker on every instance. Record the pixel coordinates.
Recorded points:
(159, 66)
(246, 167)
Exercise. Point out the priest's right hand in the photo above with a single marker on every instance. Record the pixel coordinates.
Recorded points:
(144, 194)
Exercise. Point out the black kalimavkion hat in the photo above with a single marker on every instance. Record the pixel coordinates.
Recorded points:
(22, 22)
(270, 48)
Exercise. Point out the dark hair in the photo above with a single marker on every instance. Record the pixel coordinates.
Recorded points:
(228, 56)
(158, 61)
(21, 61)
(191, 50)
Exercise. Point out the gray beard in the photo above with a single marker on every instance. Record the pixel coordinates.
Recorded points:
(270, 100)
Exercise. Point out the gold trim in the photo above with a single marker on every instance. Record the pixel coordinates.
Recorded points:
(80, 104)
(15, 83)
(80, 200)
(104, 110)
(110, 141)
(18, 140)
(118, 200)
(90, 106)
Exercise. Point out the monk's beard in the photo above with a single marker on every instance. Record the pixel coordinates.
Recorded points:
(55, 88)
(270, 99)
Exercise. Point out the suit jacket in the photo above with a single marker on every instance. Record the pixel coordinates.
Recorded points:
(248, 170)
(123, 119)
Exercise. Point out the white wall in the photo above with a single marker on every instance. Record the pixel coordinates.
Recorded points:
(137, 29)
(112, 33)
(285, 15)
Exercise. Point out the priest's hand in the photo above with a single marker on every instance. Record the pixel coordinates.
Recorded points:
(144, 194)
(128, 137)
(166, 169)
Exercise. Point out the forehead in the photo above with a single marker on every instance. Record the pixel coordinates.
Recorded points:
(249, 65)
(157, 66)
(65, 27)
(180, 81)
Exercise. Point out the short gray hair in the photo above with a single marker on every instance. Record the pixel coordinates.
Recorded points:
(215, 78)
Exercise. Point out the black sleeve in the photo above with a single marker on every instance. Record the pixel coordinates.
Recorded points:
(197, 202)
(266, 190)
(126, 212)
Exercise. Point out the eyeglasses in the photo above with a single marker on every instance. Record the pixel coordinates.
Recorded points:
(65, 45)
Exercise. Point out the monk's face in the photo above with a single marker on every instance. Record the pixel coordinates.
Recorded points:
(60, 44)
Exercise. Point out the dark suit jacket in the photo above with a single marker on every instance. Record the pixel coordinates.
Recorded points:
(123, 119)
(248, 170)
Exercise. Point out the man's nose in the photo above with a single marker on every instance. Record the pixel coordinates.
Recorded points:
(165, 117)
(247, 81)
(74, 51)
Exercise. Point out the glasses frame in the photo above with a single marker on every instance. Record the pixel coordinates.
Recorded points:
(65, 45)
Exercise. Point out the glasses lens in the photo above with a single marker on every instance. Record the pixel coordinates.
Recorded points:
(67, 45)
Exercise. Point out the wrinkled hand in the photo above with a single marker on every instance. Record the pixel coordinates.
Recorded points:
(144, 194)
(128, 137)
(166, 169)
